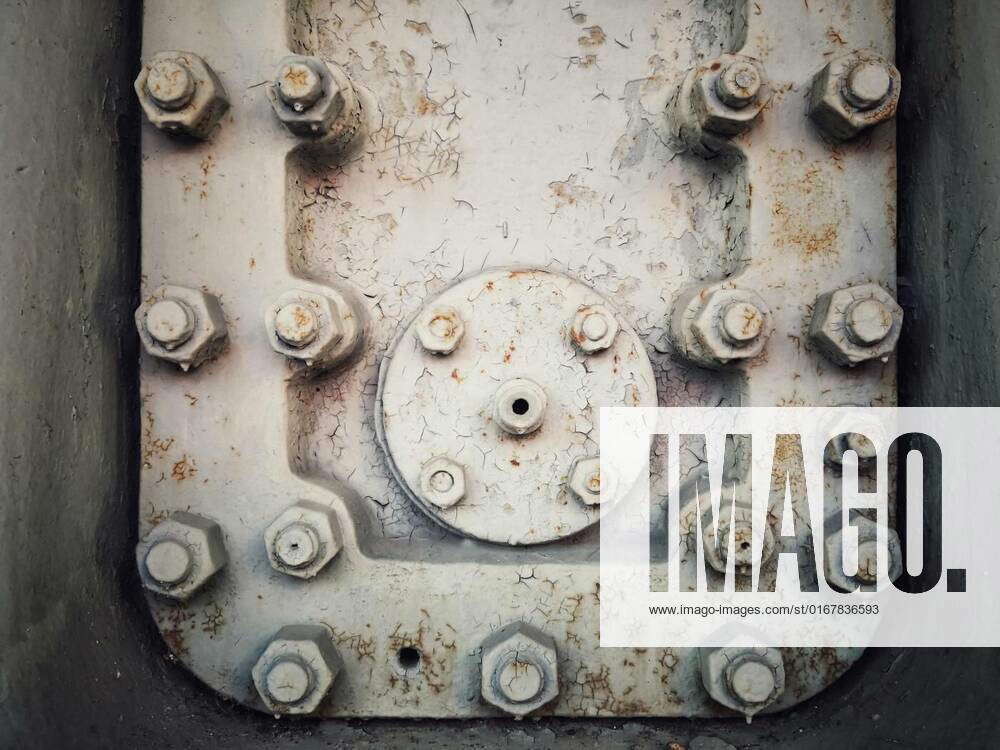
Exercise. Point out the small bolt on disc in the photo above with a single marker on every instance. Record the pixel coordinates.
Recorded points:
(868, 84)
(520, 681)
(170, 84)
(752, 682)
(739, 84)
(741, 323)
(868, 322)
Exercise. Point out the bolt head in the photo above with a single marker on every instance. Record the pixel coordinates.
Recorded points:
(868, 84)
(728, 94)
(296, 324)
(719, 324)
(519, 669)
(743, 679)
(297, 669)
(169, 84)
(585, 479)
(170, 322)
(315, 100)
(181, 94)
(181, 325)
(440, 329)
(877, 317)
(442, 482)
(303, 539)
(868, 321)
(520, 406)
(740, 527)
(299, 85)
(739, 84)
(593, 329)
(854, 92)
(179, 556)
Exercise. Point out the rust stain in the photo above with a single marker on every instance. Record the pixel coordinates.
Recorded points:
(594, 37)
(421, 27)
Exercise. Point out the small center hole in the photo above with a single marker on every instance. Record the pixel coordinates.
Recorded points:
(520, 406)
(745, 545)
(408, 657)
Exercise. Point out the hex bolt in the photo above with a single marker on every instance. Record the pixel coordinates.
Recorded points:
(181, 94)
(714, 325)
(739, 84)
(179, 555)
(303, 539)
(182, 325)
(520, 406)
(856, 324)
(868, 84)
(868, 322)
(593, 329)
(743, 679)
(519, 669)
(168, 562)
(170, 84)
(741, 323)
(854, 92)
(442, 482)
(299, 84)
(585, 479)
(297, 669)
(440, 329)
(170, 322)
(296, 324)
(740, 526)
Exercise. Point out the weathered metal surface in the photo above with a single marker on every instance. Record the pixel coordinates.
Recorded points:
(524, 135)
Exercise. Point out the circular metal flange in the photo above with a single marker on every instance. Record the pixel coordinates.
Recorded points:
(516, 347)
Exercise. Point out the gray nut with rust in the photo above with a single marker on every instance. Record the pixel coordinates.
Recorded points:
(718, 324)
(297, 669)
(519, 669)
(856, 324)
(743, 679)
(303, 539)
(181, 325)
(179, 556)
(181, 94)
(315, 100)
(442, 482)
(854, 92)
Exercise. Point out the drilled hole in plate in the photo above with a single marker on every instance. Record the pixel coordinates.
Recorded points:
(408, 658)
(520, 406)
(745, 545)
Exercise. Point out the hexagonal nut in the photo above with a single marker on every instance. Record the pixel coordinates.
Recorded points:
(593, 329)
(297, 669)
(741, 528)
(315, 100)
(181, 94)
(519, 669)
(718, 324)
(439, 328)
(179, 556)
(743, 679)
(442, 482)
(866, 577)
(856, 324)
(725, 103)
(585, 479)
(182, 325)
(303, 539)
(320, 328)
(854, 92)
